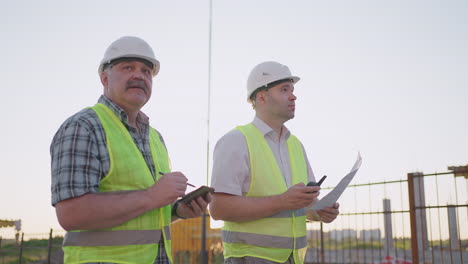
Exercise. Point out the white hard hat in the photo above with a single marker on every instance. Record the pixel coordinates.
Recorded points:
(129, 47)
(266, 73)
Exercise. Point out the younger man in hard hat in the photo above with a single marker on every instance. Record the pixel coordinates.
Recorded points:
(112, 185)
(260, 172)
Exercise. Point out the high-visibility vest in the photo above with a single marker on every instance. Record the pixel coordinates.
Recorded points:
(137, 240)
(277, 236)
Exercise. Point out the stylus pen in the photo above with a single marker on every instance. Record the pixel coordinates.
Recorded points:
(187, 182)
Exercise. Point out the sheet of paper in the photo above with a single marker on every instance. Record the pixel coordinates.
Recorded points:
(331, 198)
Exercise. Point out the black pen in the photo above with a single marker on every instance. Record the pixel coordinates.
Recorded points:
(187, 182)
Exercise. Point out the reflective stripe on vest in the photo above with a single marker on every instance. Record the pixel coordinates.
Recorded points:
(113, 238)
(286, 214)
(278, 236)
(263, 240)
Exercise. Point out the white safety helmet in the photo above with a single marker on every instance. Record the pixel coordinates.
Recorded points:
(129, 47)
(266, 73)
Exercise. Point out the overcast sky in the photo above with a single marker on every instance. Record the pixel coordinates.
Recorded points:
(386, 78)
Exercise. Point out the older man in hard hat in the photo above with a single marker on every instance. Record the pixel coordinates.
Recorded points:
(112, 186)
(260, 172)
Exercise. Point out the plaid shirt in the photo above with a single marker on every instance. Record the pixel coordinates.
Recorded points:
(80, 158)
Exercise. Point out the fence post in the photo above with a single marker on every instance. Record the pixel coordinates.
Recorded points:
(388, 242)
(204, 259)
(322, 244)
(453, 235)
(414, 232)
(49, 247)
(21, 249)
(412, 211)
(417, 201)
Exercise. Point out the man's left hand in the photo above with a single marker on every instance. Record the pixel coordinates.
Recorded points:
(195, 208)
(327, 215)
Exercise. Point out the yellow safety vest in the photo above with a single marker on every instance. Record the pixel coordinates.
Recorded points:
(137, 240)
(277, 236)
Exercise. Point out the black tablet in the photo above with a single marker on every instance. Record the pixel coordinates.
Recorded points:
(201, 191)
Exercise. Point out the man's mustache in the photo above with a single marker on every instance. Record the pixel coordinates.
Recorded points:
(136, 84)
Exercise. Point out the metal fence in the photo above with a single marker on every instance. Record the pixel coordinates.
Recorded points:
(32, 248)
(421, 219)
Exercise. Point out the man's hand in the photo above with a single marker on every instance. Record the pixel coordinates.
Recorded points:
(327, 215)
(167, 189)
(300, 196)
(195, 208)
(108, 209)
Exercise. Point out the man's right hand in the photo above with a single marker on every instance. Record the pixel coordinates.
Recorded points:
(108, 209)
(168, 188)
(299, 196)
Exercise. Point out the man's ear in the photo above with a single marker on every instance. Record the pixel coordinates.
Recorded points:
(104, 78)
(261, 96)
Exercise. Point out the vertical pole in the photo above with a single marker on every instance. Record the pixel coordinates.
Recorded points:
(203, 248)
(439, 223)
(380, 239)
(336, 255)
(403, 220)
(453, 234)
(49, 247)
(21, 249)
(356, 226)
(412, 211)
(388, 242)
(371, 226)
(322, 244)
(420, 211)
(210, 9)
(453, 228)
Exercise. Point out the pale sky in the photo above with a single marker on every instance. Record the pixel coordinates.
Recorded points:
(386, 78)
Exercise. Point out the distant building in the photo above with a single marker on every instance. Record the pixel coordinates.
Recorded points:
(343, 234)
(370, 235)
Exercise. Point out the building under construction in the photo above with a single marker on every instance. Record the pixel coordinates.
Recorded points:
(187, 241)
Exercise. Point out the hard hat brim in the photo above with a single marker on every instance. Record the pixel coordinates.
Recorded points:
(153, 61)
(294, 79)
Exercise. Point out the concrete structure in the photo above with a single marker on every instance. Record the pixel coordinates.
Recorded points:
(389, 249)
(453, 228)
